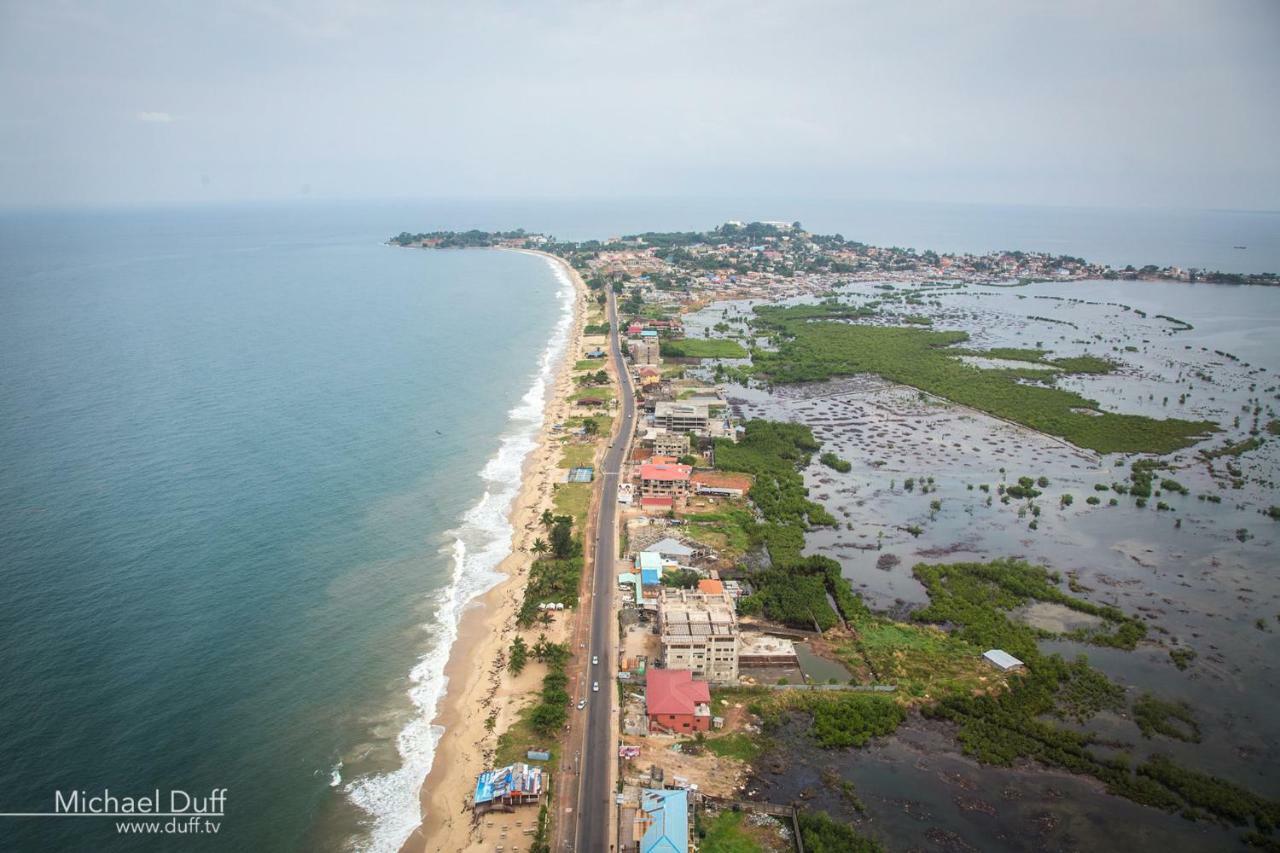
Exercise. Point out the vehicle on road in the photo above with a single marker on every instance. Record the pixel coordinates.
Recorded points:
(594, 660)
(582, 703)
(595, 687)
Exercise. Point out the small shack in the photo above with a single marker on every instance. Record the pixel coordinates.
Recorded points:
(513, 785)
(1003, 661)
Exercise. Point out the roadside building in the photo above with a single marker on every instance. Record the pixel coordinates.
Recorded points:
(676, 702)
(662, 822)
(665, 479)
(648, 376)
(513, 785)
(672, 549)
(649, 566)
(711, 586)
(645, 351)
(657, 503)
(676, 416)
(699, 632)
(674, 444)
(720, 483)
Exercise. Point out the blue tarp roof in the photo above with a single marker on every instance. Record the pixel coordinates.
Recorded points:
(667, 816)
(650, 566)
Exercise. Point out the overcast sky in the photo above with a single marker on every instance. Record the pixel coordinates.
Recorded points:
(1078, 103)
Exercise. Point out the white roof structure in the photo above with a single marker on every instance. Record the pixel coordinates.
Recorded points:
(1002, 659)
(670, 548)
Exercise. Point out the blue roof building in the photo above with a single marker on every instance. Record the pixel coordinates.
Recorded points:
(650, 566)
(664, 817)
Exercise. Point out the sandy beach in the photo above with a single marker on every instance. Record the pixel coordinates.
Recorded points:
(478, 683)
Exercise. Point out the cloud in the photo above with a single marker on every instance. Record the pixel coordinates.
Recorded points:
(155, 118)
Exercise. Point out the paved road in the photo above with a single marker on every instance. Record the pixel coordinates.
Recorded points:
(595, 792)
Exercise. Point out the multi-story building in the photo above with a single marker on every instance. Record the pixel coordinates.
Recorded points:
(674, 444)
(674, 416)
(699, 633)
(664, 478)
(645, 351)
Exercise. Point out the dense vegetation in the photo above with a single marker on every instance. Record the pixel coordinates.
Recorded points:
(975, 597)
(839, 720)
(812, 347)
(702, 348)
(821, 834)
(795, 590)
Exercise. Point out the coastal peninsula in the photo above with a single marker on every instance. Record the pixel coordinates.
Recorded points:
(941, 511)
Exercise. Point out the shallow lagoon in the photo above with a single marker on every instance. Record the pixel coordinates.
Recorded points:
(1186, 570)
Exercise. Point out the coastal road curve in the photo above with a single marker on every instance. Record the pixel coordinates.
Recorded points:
(595, 791)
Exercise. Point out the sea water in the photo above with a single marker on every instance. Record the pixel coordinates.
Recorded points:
(253, 466)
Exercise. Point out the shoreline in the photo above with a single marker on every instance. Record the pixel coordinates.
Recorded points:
(474, 674)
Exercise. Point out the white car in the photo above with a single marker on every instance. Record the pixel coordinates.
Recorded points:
(595, 687)
(594, 660)
(582, 703)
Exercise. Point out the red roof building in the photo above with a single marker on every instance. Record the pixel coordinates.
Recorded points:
(664, 478)
(710, 585)
(675, 702)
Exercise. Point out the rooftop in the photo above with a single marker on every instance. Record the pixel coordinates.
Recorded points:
(664, 471)
(664, 817)
(674, 691)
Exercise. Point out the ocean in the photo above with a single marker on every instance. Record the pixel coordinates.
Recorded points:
(253, 463)
(252, 469)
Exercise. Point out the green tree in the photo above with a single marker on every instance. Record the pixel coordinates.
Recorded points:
(519, 655)
(562, 539)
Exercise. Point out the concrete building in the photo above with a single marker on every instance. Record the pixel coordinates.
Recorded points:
(664, 479)
(645, 351)
(674, 416)
(675, 444)
(699, 633)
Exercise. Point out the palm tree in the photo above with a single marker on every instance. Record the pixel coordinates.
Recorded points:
(548, 518)
(539, 546)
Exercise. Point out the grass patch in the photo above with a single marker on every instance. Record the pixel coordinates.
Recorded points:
(726, 834)
(811, 350)
(738, 746)
(520, 737)
(591, 364)
(924, 661)
(572, 499)
(595, 392)
(577, 455)
(702, 348)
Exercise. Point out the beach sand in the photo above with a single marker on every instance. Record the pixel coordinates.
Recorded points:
(477, 681)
